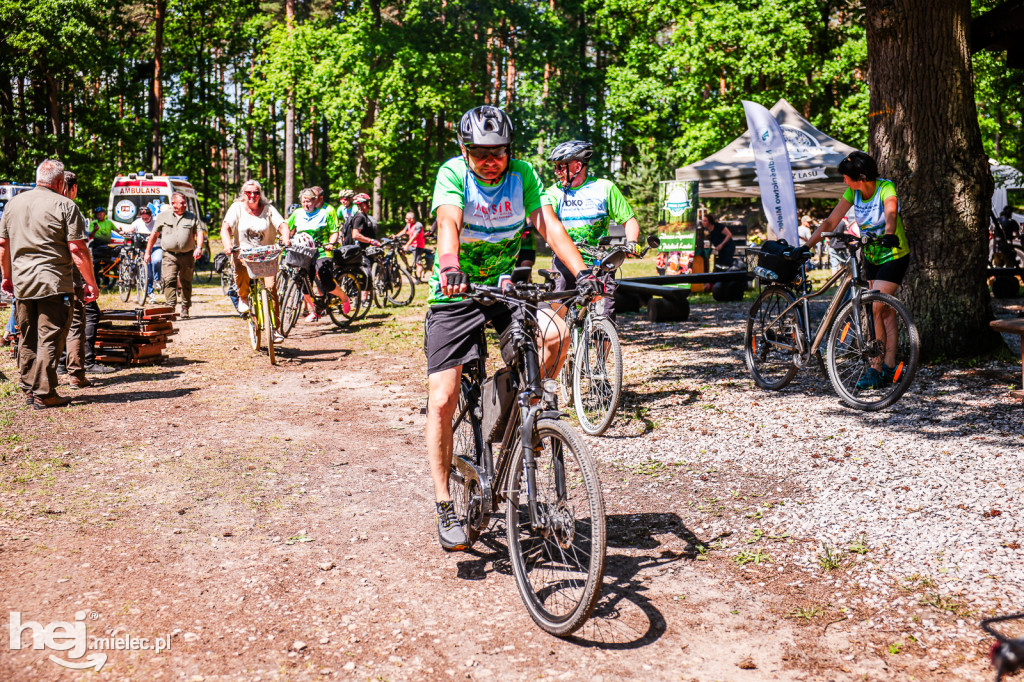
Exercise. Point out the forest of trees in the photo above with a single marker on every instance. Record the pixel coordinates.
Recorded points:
(205, 89)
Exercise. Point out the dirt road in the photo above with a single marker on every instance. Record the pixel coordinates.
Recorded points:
(277, 523)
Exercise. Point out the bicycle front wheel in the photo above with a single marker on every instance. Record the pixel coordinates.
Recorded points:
(141, 282)
(379, 285)
(125, 279)
(227, 280)
(253, 321)
(467, 443)
(291, 306)
(873, 351)
(597, 376)
(770, 339)
(565, 378)
(267, 313)
(401, 288)
(559, 565)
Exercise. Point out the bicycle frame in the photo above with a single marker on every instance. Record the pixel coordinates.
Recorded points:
(848, 278)
(533, 405)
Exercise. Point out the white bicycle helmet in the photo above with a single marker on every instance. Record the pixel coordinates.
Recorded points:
(304, 240)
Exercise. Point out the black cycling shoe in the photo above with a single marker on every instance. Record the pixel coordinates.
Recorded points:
(449, 530)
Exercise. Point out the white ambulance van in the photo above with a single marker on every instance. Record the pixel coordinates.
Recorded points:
(8, 190)
(130, 192)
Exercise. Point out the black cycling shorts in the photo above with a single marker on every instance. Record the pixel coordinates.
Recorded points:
(451, 332)
(566, 281)
(894, 271)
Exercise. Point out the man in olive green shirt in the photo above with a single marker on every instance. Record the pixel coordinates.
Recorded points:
(182, 242)
(42, 241)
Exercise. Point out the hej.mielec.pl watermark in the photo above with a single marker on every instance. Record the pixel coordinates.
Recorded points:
(73, 638)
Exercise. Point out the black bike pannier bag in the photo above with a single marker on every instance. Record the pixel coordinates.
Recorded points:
(497, 398)
(770, 258)
(220, 262)
(300, 257)
(348, 256)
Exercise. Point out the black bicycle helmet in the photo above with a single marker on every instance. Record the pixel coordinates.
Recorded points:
(573, 150)
(487, 126)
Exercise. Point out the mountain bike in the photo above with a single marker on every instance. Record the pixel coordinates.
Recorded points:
(591, 378)
(294, 286)
(129, 269)
(509, 444)
(778, 338)
(391, 282)
(261, 262)
(1007, 653)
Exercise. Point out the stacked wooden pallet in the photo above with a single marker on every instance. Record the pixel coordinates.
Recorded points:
(134, 337)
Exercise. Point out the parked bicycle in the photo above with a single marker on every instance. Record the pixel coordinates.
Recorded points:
(128, 269)
(391, 281)
(864, 329)
(510, 444)
(294, 287)
(261, 262)
(591, 377)
(1007, 653)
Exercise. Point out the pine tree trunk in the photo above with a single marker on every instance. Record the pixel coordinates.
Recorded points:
(158, 88)
(924, 134)
(289, 126)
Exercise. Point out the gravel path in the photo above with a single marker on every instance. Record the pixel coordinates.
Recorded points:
(927, 494)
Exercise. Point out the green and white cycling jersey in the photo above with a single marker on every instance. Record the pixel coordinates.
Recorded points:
(585, 210)
(319, 224)
(870, 215)
(493, 219)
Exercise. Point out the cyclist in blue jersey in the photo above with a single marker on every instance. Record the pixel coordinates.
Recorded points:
(482, 199)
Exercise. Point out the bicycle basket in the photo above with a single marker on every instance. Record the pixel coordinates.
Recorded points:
(348, 256)
(770, 258)
(261, 261)
(300, 257)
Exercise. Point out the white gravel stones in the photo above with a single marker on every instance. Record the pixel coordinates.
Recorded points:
(933, 486)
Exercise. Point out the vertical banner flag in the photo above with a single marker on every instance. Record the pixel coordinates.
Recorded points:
(774, 173)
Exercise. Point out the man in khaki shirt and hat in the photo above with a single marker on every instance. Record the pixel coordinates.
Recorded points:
(183, 236)
(42, 241)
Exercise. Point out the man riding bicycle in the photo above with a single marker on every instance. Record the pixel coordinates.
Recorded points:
(585, 206)
(482, 199)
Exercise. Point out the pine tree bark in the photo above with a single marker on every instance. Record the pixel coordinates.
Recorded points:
(924, 134)
(158, 87)
(289, 125)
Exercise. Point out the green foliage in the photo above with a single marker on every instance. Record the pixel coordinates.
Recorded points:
(378, 88)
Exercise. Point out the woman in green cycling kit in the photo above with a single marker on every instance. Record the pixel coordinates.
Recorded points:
(877, 211)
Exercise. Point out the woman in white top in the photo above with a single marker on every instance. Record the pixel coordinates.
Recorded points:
(144, 225)
(257, 223)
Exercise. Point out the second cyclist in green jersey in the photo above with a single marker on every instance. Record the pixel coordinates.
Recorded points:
(586, 206)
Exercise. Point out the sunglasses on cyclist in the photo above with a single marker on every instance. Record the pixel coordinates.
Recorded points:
(145, 211)
(252, 193)
(481, 153)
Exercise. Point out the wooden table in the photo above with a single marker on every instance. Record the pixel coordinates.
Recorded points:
(1013, 326)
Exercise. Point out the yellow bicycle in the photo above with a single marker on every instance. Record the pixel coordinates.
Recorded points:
(261, 262)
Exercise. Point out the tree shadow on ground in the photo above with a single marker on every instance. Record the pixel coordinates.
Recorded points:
(129, 377)
(624, 617)
(311, 355)
(135, 396)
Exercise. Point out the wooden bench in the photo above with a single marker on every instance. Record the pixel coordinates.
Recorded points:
(1013, 326)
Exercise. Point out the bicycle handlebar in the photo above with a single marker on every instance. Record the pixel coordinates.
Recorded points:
(520, 292)
(1007, 654)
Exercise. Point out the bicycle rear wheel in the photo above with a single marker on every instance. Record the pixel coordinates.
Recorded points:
(467, 444)
(559, 567)
(402, 288)
(855, 345)
(770, 339)
(350, 286)
(597, 376)
(267, 313)
(291, 306)
(125, 279)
